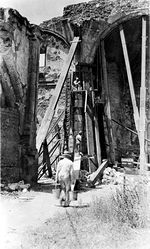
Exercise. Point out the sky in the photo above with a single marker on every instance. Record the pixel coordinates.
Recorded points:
(37, 11)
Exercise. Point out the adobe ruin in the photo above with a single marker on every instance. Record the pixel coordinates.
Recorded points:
(106, 29)
(19, 50)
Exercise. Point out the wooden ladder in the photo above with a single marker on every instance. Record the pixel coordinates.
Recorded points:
(42, 132)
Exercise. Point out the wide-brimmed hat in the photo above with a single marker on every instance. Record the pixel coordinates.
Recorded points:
(66, 154)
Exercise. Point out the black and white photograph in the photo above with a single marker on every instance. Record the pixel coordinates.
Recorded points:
(75, 124)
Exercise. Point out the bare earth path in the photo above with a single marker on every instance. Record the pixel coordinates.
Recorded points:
(28, 211)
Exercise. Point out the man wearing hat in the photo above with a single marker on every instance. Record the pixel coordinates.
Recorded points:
(65, 176)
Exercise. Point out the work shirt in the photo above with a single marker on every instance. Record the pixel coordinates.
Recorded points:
(64, 169)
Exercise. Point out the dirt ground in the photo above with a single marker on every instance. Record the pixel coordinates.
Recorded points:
(23, 212)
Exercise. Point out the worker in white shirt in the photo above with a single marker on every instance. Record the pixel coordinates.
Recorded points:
(65, 176)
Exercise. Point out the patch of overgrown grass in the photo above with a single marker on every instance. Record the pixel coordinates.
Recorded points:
(126, 206)
(106, 223)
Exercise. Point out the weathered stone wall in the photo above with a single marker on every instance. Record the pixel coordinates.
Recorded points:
(89, 20)
(10, 144)
(55, 54)
(19, 51)
(125, 142)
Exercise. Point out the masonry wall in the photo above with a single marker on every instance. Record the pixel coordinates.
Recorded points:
(55, 51)
(10, 144)
(90, 21)
(19, 51)
(125, 142)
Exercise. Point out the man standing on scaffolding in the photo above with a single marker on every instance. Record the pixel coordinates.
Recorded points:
(78, 141)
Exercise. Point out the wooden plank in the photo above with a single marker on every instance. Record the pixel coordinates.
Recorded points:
(108, 109)
(128, 129)
(90, 142)
(142, 124)
(87, 136)
(148, 97)
(46, 158)
(97, 137)
(85, 104)
(98, 173)
(89, 132)
(76, 165)
(54, 99)
(130, 80)
(55, 123)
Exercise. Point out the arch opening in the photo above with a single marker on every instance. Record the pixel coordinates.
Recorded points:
(114, 110)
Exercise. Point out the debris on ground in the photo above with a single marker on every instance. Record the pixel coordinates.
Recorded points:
(17, 186)
(111, 176)
(83, 175)
(97, 175)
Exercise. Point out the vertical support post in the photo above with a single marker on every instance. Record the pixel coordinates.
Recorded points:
(97, 140)
(148, 95)
(142, 124)
(130, 80)
(46, 159)
(86, 125)
(108, 109)
(97, 135)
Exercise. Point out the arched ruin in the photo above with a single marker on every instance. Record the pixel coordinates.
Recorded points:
(112, 106)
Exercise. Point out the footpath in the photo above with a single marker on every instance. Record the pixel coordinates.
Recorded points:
(24, 211)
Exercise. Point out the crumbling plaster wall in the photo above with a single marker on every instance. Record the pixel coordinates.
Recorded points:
(19, 58)
(90, 20)
(55, 51)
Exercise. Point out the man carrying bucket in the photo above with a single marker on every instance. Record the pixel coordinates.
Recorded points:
(65, 176)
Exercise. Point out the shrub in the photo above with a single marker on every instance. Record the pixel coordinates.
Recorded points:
(126, 206)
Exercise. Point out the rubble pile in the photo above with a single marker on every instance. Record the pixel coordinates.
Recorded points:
(111, 176)
(84, 175)
(17, 186)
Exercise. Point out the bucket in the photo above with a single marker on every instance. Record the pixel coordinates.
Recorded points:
(56, 191)
(73, 195)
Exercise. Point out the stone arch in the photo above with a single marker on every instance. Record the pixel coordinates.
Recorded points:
(124, 142)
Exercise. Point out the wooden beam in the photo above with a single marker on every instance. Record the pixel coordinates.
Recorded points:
(55, 97)
(97, 135)
(97, 138)
(148, 96)
(89, 118)
(108, 109)
(128, 129)
(76, 165)
(98, 173)
(130, 80)
(46, 158)
(87, 136)
(142, 124)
